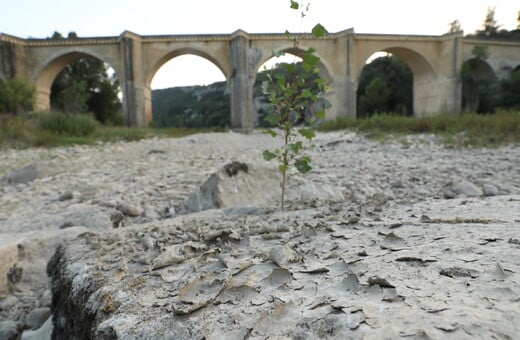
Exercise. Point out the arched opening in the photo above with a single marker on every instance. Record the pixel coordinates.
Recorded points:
(424, 96)
(510, 90)
(277, 65)
(188, 90)
(479, 86)
(80, 83)
(385, 86)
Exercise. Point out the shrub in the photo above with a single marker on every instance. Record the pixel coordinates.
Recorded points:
(16, 95)
(77, 125)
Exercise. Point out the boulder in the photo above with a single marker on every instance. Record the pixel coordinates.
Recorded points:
(31, 172)
(236, 184)
(461, 187)
(239, 185)
(23, 257)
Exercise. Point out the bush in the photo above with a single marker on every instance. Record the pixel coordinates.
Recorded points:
(77, 125)
(16, 95)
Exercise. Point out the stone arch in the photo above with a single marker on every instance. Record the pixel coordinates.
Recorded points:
(51, 67)
(421, 67)
(156, 65)
(423, 74)
(324, 68)
(478, 98)
(376, 91)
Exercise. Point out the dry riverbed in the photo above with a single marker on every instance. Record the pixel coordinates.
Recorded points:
(394, 239)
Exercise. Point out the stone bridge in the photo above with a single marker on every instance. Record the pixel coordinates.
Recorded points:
(434, 60)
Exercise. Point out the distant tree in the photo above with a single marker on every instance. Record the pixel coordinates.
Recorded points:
(510, 91)
(478, 83)
(375, 99)
(97, 91)
(490, 27)
(393, 80)
(192, 106)
(455, 26)
(74, 98)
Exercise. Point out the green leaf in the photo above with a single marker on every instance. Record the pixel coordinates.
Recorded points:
(268, 155)
(273, 119)
(307, 133)
(306, 93)
(319, 31)
(282, 168)
(320, 114)
(326, 104)
(294, 5)
(309, 60)
(270, 132)
(303, 165)
(294, 147)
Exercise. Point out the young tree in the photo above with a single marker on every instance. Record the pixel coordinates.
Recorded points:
(289, 97)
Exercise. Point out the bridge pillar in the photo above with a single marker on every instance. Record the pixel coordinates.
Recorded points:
(135, 92)
(241, 83)
(8, 58)
(442, 93)
(436, 96)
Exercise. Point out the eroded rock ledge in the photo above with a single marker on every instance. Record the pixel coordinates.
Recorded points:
(314, 273)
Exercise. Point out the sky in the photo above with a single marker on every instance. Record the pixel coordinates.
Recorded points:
(39, 19)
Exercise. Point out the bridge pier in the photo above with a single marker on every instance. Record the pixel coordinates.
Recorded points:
(241, 83)
(136, 94)
(436, 96)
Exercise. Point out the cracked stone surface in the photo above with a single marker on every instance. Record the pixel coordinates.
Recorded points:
(379, 240)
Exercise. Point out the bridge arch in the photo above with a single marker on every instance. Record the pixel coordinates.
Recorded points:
(51, 67)
(298, 52)
(158, 63)
(479, 85)
(421, 67)
(423, 73)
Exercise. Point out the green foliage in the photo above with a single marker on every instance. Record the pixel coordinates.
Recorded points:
(468, 130)
(192, 107)
(478, 83)
(385, 85)
(74, 125)
(490, 27)
(492, 30)
(280, 71)
(290, 92)
(74, 97)
(510, 91)
(16, 95)
(85, 86)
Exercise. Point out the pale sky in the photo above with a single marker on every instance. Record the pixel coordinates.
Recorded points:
(39, 19)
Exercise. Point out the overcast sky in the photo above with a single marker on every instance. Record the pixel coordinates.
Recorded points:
(40, 18)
